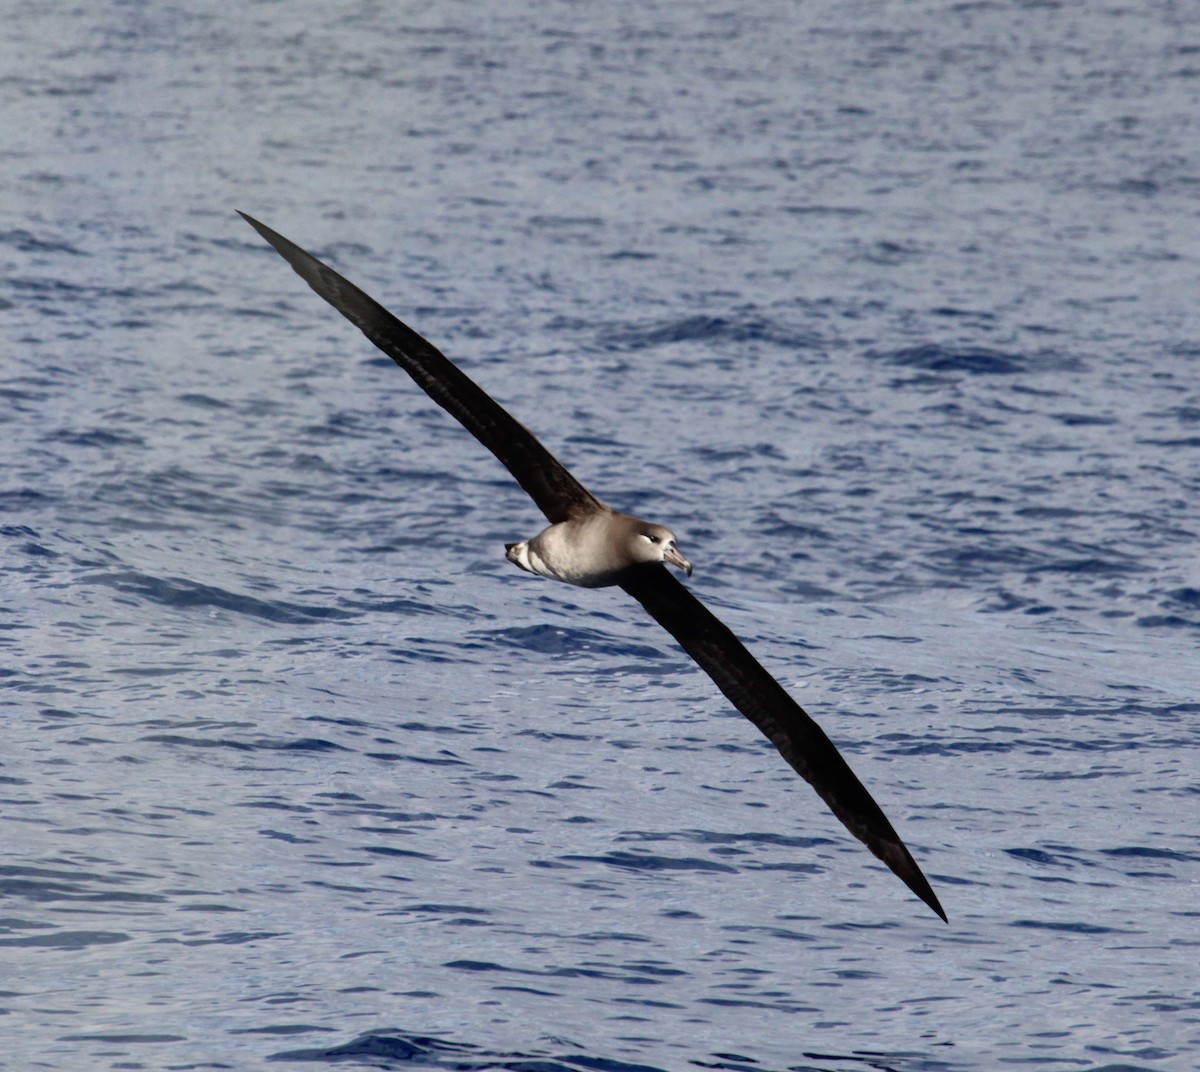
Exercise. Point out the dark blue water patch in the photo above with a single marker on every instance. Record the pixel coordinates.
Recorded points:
(985, 553)
(76, 296)
(1165, 621)
(941, 359)
(631, 255)
(713, 457)
(1043, 858)
(645, 862)
(786, 868)
(1082, 420)
(180, 593)
(785, 935)
(745, 326)
(832, 211)
(32, 544)
(70, 940)
(121, 1037)
(22, 498)
(282, 1029)
(807, 592)
(224, 938)
(566, 222)
(96, 437)
(723, 838)
(1066, 927)
(1090, 565)
(438, 729)
(546, 735)
(888, 253)
(19, 401)
(922, 747)
(448, 910)
(344, 721)
(556, 640)
(479, 966)
(395, 1049)
(774, 524)
(340, 425)
(48, 885)
(445, 759)
(26, 242)
(434, 652)
(1184, 441)
(262, 744)
(1044, 513)
(1185, 414)
(933, 357)
(286, 838)
(393, 853)
(391, 605)
(1004, 601)
(1185, 597)
(951, 312)
(639, 973)
(201, 401)
(1145, 853)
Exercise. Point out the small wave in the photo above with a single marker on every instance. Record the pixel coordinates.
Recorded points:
(1089, 565)
(636, 861)
(1165, 621)
(202, 401)
(1066, 926)
(95, 437)
(932, 357)
(394, 1048)
(295, 744)
(749, 326)
(26, 242)
(1185, 597)
(557, 640)
(72, 940)
(182, 593)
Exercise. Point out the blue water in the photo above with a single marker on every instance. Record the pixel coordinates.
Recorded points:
(889, 310)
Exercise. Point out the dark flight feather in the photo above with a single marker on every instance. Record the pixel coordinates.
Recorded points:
(547, 481)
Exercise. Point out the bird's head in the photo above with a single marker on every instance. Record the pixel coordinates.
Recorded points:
(656, 543)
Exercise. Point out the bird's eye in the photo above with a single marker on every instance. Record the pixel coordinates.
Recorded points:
(651, 538)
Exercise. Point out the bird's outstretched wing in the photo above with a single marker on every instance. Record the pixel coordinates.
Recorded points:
(764, 702)
(718, 652)
(557, 493)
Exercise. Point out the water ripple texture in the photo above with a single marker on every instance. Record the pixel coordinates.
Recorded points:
(891, 314)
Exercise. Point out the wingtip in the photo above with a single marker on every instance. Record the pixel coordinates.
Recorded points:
(303, 263)
(893, 852)
(261, 228)
(917, 884)
(916, 881)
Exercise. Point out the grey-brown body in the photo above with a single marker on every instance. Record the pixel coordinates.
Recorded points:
(597, 549)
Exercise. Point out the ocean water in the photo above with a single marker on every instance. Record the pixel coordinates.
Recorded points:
(890, 310)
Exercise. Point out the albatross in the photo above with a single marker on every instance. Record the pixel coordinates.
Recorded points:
(591, 545)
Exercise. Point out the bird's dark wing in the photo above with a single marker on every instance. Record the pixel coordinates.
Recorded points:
(764, 702)
(557, 493)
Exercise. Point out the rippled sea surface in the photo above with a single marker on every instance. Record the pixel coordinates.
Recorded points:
(890, 310)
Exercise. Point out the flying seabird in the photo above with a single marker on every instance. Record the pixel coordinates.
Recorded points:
(590, 544)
